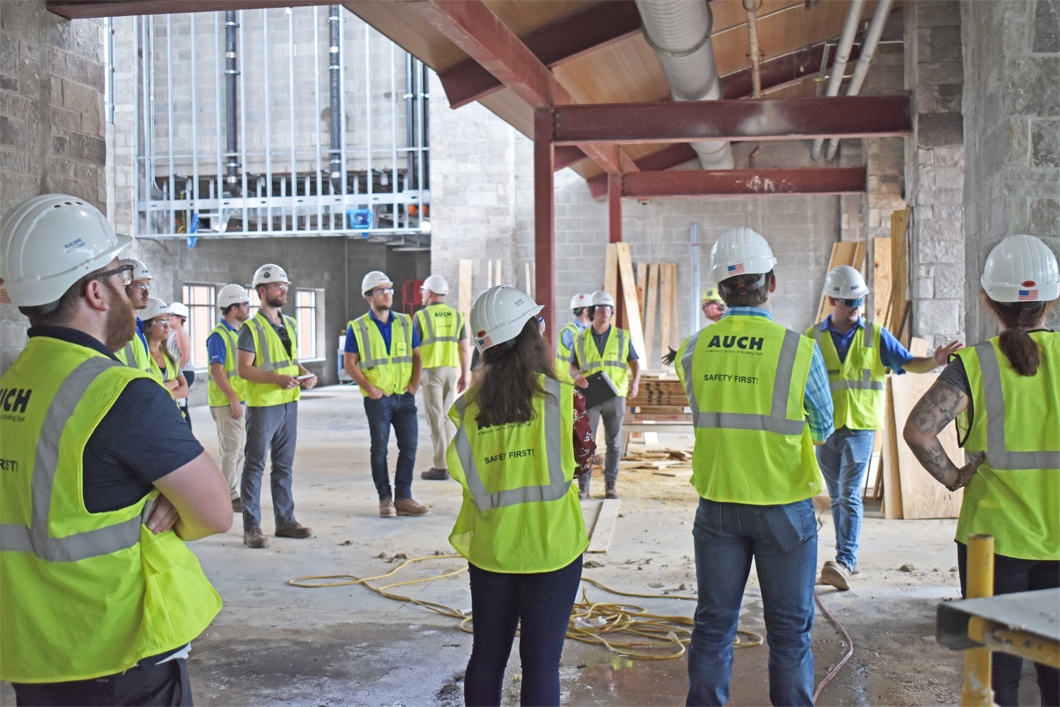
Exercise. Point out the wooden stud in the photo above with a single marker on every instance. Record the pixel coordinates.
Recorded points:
(489, 274)
(604, 526)
(881, 278)
(497, 274)
(467, 268)
(611, 270)
(529, 281)
(642, 284)
(666, 316)
(649, 316)
(629, 294)
(675, 339)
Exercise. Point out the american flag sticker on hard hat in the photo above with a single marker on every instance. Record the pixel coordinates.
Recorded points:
(1028, 295)
(735, 269)
(485, 342)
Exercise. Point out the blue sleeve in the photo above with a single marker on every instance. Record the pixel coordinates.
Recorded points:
(351, 340)
(567, 337)
(215, 348)
(818, 399)
(415, 338)
(893, 354)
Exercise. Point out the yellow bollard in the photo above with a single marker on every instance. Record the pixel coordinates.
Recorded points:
(977, 691)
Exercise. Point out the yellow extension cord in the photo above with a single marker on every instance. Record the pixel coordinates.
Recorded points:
(653, 631)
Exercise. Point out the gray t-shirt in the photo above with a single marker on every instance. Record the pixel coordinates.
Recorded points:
(246, 339)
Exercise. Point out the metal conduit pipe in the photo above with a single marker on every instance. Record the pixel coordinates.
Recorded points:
(679, 32)
(842, 55)
(752, 38)
(868, 51)
(410, 121)
(425, 128)
(232, 185)
(335, 77)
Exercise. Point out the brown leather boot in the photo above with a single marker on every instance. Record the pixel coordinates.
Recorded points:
(255, 539)
(386, 508)
(294, 529)
(435, 474)
(610, 491)
(409, 507)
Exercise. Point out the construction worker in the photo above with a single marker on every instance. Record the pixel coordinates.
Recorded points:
(226, 391)
(712, 305)
(163, 365)
(100, 595)
(445, 358)
(179, 346)
(856, 351)
(602, 347)
(760, 401)
(522, 437)
(1005, 395)
(579, 307)
(383, 358)
(134, 353)
(267, 361)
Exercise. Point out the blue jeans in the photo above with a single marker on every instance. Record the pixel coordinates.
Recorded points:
(398, 410)
(782, 540)
(500, 602)
(844, 458)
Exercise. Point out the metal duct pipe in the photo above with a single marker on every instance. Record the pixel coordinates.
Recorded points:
(752, 38)
(231, 104)
(410, 121)
(842, 55)
(868, 51)
(679, 32)
(335, 76)
(425, 128)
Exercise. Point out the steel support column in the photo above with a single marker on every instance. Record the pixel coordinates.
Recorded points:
(545, 221)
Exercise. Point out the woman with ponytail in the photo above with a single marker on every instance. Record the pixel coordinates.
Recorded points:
(1005, 395)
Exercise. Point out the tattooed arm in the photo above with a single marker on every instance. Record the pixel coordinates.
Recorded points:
(939, 406)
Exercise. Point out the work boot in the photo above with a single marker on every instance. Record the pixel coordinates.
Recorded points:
(237, 505)
(610, 491)
(435, 474)
(255, 538)
(583, 486)
(294, 529)
(386, 508)
(839, 575)
(409, 507)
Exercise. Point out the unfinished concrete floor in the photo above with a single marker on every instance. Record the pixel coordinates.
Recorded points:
(276, 644)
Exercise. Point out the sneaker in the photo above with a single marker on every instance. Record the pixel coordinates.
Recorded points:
(237, 505)
(386, 508)
(409, 507)
(294, 529)
(610, 491)
(435, 474)
(583, 486)
(838, 575)
(255, 538)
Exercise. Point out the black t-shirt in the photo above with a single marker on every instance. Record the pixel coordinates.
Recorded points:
(142, 438)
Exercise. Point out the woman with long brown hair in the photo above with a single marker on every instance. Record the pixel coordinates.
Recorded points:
(1005, 395)
(164, 365)
(521, 439)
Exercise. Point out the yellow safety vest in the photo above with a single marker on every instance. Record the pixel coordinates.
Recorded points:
(390, 371)
(135, 355)
(216, 397)
(84, 594)
(745, 377)
(440, 330)
(270, 355)
(520, 513)
(563, 353)
(1015, 494)
(171, 372)
(612, 361)
(856, 382)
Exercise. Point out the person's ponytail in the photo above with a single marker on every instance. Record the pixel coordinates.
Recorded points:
(1015, 342)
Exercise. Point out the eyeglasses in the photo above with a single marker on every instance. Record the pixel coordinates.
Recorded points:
(143, 286)
(124, 272)
(383, 291)
(281, 286)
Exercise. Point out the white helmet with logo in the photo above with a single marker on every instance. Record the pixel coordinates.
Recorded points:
(232, 294)
(499, 314)
(436, 284)
(600, 297)
(740, 251)
(140, 271)
(1021, 269)
(155, 308)
(580, 300)
(50, 242)
(845, 282)
(270, 273)
(375, 279)
(179, 309)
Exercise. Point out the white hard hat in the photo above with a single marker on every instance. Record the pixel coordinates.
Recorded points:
(436, 284)
(499, 314)
(140, 271)
(269, 273)
(845, 282)
(155, 308)
(50, 242)
(580, 300)
(600, 297)
(179, 309)
(232, 294)
(1021, 269)
(373, 280)
(740, 251)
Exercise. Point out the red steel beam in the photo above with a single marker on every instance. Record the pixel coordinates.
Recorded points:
(545, 222)
(614, 235)
(86, 9)
(655, 162)
(744, 182)
(762, 119)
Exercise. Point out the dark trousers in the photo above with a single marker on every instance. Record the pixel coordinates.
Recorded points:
(271, 430)
(158, 686)
(539, 605)
(399, 411)
(1013, 575)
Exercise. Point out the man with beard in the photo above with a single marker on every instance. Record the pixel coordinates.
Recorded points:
(134, 353)
(226, 390)
(267, 360)
(102, 482)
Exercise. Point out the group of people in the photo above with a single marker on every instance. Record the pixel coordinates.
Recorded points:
(102, 482)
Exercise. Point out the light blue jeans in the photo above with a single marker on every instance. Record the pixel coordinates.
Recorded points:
(844, 459)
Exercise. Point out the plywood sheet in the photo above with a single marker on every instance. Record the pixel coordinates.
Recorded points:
(892, 483)
(642, 286)
(649, 315)
(881, 278)
(629, 295)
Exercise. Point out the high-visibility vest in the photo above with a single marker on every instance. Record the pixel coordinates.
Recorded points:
(216, 397)
(520, 513)
(1015, 494)
(856, 382)
(270, 355)
(745, 377)
(390, 371)
(171, 372)
(135, 355)
(563, 353)
(612, 361)
(84, 594)
(441, 327)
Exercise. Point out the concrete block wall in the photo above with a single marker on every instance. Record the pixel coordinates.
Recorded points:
(51, 120)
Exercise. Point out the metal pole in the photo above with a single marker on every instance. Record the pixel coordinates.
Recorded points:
(693, 237)
(231, 108)
(335, 80)
(108, 26)
(243, 139)
(425, 126)
(342, 132)
(194, 196)
(137, 50)
(846, 42)
(268, 129)
(410, 123)
(149, 172)
(368, 110)
(218, 180)
(172, 215)
(393, 140)
(292, 84)
(316, 98)
(977, 690)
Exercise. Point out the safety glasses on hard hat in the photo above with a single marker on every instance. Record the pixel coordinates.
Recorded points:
(853, 303)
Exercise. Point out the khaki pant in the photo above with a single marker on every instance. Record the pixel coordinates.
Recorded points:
(231, 440)
(439, 392)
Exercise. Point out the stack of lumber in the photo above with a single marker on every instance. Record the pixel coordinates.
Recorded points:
(659, 399)
(663, 462)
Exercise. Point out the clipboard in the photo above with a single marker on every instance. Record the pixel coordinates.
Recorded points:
(600, 390)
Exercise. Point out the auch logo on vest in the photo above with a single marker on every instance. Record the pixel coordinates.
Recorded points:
(13, 403)
(747, 345)
(442, 313)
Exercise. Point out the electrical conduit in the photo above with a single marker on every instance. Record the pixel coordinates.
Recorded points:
(842, 55)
